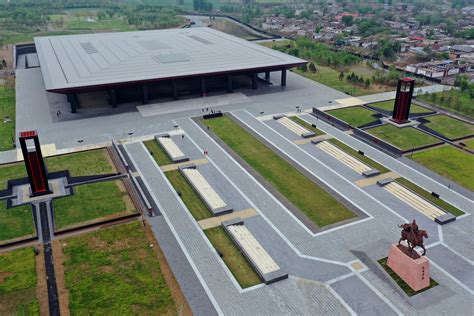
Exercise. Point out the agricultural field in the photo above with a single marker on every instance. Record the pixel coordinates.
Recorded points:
(318, 205)
(355, 116)
(449, 127)
(115, 271)
(404, 138)
(91, 202)
(450, 162)
(452, 100)
(233, 258)
(18, 283)
(7, 117)
(388, 106)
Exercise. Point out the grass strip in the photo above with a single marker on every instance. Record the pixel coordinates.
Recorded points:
(450, 162)
(90, 202)
(7, 109)
(318, 205)
(359, 156)
(402, 284)
(233, 258)
(114, 271)
(355, 116)
(18, 283)
(15, 222)
(427, 196)
(404, 138)
(306, 125)
(157, 153)
(190, 198)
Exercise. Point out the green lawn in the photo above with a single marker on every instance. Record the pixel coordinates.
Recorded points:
(453, 100)
(469, 143)
(18, 283)
(85, 163)
(90, 202)
(306, 125)
(190, 198)
(81, 23)
(357, 155)
(427, 196)
(449, 127)
(318, 205)
(7, 109)
(355, 116)
(10, 172)
(405, 138)
(15, 222)
(388, 106)
(157, 152)
(233, 258)
(405, 287)
(450, 162)
(114, 271)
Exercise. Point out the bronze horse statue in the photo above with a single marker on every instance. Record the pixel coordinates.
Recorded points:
(413, 236)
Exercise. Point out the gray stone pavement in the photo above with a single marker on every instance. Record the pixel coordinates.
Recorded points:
(285, 297)
(396, 165)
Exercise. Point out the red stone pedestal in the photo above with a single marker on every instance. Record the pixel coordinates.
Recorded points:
(415, 272)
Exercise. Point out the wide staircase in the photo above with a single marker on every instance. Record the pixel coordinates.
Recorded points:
(343, 157)
(418, 203)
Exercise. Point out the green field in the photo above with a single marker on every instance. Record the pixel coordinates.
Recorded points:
(11, 172)
(404, 138)
(82, 23)
(85, 163)
(388, 106)
(114, 271)
(453, 100)
(469, 143)
(190, 198)
(359, 156)
(18, 283)
(306, 125)
(450, 162)
(318, 205)
(158, 153)
(91, 202)
(427, 196)
(449, 127)
(355, 116)
(235, 261)
(7, 109)
(15, 222)
(405, 287)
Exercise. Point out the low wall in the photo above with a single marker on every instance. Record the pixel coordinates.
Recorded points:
(328, 118)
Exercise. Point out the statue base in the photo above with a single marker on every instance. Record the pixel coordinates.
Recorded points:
(412, 268)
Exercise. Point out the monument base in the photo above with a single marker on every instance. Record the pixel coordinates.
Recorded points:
(413, 269)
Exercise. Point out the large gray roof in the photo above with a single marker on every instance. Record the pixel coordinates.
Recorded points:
(75, 61)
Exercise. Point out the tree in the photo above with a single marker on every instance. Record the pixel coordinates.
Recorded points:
(347, 20)
(341, 76)
(303, 68)
(367, 82)
(312, 67)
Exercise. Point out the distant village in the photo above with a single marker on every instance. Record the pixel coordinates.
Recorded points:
(425, 51)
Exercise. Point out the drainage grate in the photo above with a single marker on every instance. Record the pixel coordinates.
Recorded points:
(89, 48)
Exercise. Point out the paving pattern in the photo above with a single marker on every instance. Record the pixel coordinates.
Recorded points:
(343, 157)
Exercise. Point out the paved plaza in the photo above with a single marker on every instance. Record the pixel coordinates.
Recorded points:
(332, 270)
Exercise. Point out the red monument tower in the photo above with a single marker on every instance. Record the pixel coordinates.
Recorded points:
(401, 108)
(34, 163)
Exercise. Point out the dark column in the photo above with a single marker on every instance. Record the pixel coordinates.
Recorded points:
(34, 162)
(73, 101)
(254, 81)
(203, 87)
(113, 97)
(401, 107)
(174, 87)
(229, 84)
(267, 76)
(145, 94)
(283, 77)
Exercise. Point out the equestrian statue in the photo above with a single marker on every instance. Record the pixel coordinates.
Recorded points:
(413, 236)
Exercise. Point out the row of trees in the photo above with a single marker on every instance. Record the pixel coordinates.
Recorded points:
(355, 80)
(147, 17)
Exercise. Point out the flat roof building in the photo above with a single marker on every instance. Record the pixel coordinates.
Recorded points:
(154, 62)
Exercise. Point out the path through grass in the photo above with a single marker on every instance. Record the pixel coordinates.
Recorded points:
(318, 205)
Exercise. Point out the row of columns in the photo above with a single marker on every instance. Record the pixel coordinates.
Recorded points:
(74, 102)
